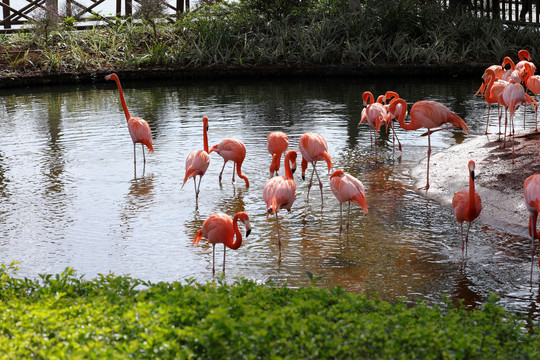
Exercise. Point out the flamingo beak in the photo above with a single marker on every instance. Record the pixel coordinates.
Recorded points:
(248, 227)
(472, 174)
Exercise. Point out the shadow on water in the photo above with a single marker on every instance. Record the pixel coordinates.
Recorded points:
(68, 196)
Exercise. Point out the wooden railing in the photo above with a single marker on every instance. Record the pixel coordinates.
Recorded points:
(511, 11)
(14, 19)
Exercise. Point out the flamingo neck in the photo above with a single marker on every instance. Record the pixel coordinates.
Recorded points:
(205, 138)
(402, 114)
(491, 81)
(238, 235)
(368, 98)
(122, 100)
(472, 198)
(240, 175)
(288, 171)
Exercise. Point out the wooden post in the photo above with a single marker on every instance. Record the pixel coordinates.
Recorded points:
(118, 8)
(7, 24)
(128, 8)
(187, 5)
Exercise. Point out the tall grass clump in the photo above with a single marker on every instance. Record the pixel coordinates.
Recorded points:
(116, 317)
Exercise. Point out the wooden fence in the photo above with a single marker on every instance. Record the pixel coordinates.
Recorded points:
(511, 11)
(15, 18)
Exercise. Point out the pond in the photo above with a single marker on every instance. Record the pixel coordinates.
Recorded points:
(69, 196)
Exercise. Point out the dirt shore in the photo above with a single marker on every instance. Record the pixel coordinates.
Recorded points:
(499, 181)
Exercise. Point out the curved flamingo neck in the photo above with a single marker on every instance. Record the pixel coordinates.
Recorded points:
(491, 80)
(524, 55)
(289, 157)
(240, 175)
(403, 113)
(368, 98)
(238, 235)
(508, 61)
(122, 100)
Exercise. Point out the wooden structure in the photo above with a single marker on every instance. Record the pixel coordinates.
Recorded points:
(510, 11)
(14, 18)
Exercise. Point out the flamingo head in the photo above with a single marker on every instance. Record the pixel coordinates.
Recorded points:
(524, 54)
(214, 148)
(390, 95)
(337, 173)
(471, 168)
(244, 218)
(112, 76)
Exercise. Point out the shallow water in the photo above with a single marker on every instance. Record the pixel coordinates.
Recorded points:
(69, 195)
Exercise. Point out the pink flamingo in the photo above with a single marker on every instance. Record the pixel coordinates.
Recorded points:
(198, 161)
(525, 58)
(313, 148)
(234, 150)
(493, 88)
(347, 188)
(430, 115)
(531, 192)
(532, 82)
(374, 114)
(512, 75)
(138, 128)
(278, 142)
(467, 206)
(512, 97)
(280, 191)
(389, 96)
(497, 70)
(220, 228)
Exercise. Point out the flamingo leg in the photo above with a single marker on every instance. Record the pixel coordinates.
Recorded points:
(310, 179)
(134, 160)
(279, 237)
(213, 260)
(221, 173)
(320, 184)
(428, 156)
(487, 122)
(462, 242)
(532, 219)
(224, 252)
(144, 156)
(348, 216)
(196, 191)
(233, 171)
(340, 218)
(467, 238)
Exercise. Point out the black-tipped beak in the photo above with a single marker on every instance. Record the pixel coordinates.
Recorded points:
(303, 177)
(248, 232)
(472, 175)
(293, 170)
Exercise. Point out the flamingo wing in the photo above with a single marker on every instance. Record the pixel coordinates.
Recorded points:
(279, 193)
(140, 132)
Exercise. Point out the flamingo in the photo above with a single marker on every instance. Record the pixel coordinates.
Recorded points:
(512, 75)
(278, 142)
(347, 188)
(497, 70)
(512, 97)
(493, 88)
(531, 192)
(525, 58)
(389, 96)
(374, 114)
(220, 228)
(138, 128)
(430, 115)
(467, 206)
(313, 148)
(280, 191)
(198, 161)
(532, 82)
(234, 150)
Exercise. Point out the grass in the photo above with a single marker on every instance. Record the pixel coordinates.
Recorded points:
(115, 317)
(243, 34)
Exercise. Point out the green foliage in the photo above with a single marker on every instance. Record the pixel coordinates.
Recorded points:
(65, 316)
(281, 33)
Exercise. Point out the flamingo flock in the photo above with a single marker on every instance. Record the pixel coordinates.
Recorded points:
(499, 86)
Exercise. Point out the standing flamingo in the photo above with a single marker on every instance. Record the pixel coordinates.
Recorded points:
(525, 58)
(278, 142)
(280, 191)
(138, 128)
(532, 82)
(220, 228)
(313, 148)
(198, 161)
(347, 188)
(374, 114)
(531, 192)
(234, 150)
(467, 206)
(427, 114)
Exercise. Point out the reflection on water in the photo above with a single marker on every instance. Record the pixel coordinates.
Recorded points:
(68, 195)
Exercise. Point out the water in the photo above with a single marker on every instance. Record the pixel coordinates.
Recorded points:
(69, 195)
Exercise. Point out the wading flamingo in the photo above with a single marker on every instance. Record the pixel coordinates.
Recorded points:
(220, 228)
(512, 97)
(234, 150)
(525, 58)
(347, 188)
(493, 88)
(138, 128)
(532, 82)
(278, 142)
(467, 206)
(313, 148)
(197, 162)
(375, 114)
(389, 96)
(430, 115)
(280, 191)
(531, 192)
